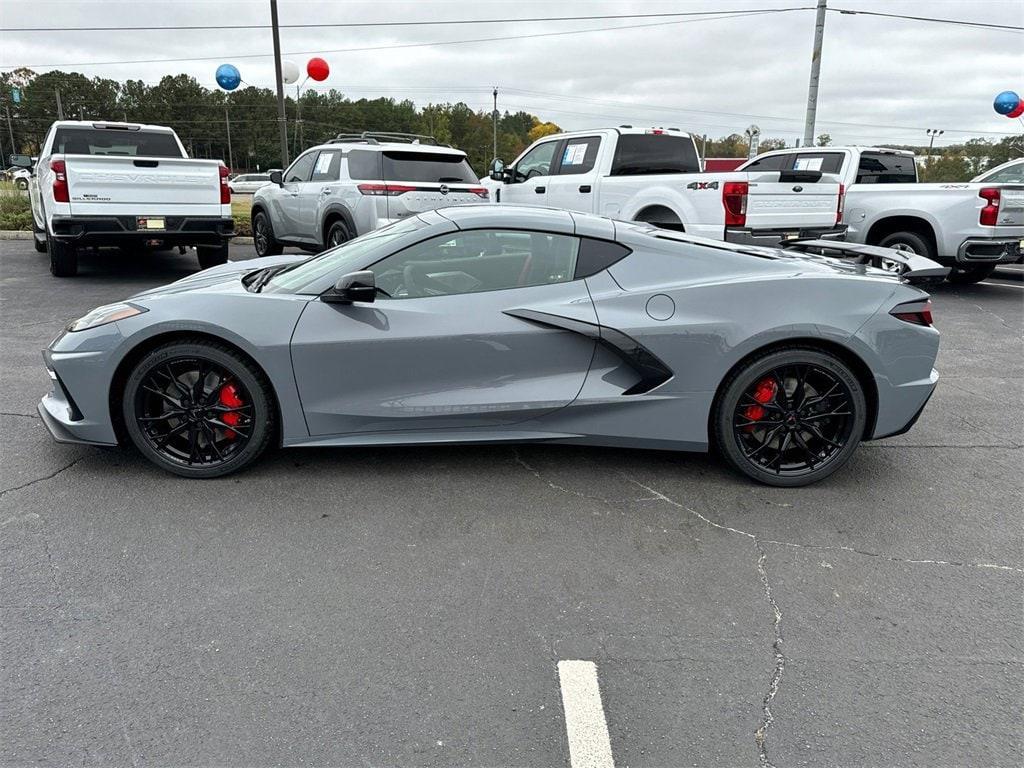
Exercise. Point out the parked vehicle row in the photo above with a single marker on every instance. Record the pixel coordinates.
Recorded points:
(125, 184)
(971, 227)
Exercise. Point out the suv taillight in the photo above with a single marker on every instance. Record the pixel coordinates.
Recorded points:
(916, 312)
(225, 190)
(990, 212)
(841, 204)
(385, 190)
(734, 200)
(60, 181)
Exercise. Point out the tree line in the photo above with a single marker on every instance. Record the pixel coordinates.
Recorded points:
(203, 117)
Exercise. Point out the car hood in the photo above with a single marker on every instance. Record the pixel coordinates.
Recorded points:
(226, 275)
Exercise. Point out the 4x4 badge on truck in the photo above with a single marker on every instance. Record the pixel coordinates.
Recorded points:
(443, 189)
(702, 185)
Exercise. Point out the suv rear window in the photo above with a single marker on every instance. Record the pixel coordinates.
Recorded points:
(642, 153)
(428, 167)
(879, 168)
(115, 141)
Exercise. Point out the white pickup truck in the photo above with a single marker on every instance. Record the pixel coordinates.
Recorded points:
(970, 227)
(655, 176)
(123, 184)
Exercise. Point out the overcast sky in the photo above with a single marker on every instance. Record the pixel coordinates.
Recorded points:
(882, 80)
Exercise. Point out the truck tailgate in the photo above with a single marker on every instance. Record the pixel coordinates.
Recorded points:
(772, 204)
(105, 185)
(1011, 205)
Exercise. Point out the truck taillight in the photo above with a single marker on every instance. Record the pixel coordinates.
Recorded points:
(385, 190)
(916, 312)
(60, 181)
(990, 212)
(480, 192)
(841, 204)
(734, 200)
(225, 190)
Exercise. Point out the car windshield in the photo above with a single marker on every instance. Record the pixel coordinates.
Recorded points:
(348, 257)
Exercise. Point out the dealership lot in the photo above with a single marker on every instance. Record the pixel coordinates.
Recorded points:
(411, 606)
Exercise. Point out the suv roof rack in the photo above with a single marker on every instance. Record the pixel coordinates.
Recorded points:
(376, 137)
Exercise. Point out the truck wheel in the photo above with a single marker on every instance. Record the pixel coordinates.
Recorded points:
(63, 258)
(973, 274)
(212, 255)
(263, 236)
(908, 241)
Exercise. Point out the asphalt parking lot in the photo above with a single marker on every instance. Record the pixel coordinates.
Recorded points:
(411, 606)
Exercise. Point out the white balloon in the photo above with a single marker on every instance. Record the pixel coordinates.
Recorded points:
(289, 72)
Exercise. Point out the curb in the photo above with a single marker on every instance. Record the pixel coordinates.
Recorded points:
(17, 234)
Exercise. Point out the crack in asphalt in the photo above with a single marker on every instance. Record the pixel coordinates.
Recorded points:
(23, 415)
(65, 468)
(561, 488)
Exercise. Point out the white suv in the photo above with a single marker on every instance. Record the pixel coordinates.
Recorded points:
(356, 183)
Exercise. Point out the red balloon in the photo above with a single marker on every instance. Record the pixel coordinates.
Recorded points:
(317, 69)
(1018, 111)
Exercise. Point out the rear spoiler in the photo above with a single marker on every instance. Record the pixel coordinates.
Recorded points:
(911, 268)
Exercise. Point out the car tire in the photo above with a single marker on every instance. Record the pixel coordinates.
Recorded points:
(739, 443)
(221, 357)
(263, 236)
(212, 255)
(337, 234)
(63, 258)
(908, 241)
(21, 184)
(973, 274)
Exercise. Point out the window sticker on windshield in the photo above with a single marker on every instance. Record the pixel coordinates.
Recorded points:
(323, 162)
(574, 154)
(808, 164)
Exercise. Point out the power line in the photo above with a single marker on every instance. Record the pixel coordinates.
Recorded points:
(957, 22)
(228, 57)
(427, 23)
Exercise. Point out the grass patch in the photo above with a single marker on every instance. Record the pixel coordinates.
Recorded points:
(15, 210)
(241, 210)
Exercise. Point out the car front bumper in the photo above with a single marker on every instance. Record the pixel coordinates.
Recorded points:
(772, 238)
(77, 407)
(123, 230)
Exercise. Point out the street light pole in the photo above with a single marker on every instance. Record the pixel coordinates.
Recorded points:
(932, 133)
(282, 125)
(494, 119)
(812, 87)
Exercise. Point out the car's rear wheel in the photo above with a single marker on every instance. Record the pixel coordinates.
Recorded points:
(908, 241)
(198, 409)
(972, 274)
(790, 417)
(63, 258)
(338, 234)
(212, 255)
(263, 236)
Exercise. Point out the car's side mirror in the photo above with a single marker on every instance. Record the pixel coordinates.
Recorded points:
(277, 177)
(21, 161)
(355, 286)
(497, 172)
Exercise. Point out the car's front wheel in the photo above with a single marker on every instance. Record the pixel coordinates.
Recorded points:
(790, 417)
(263, 236)
(198, 409)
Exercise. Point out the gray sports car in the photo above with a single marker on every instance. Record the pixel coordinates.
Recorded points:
(487, 324)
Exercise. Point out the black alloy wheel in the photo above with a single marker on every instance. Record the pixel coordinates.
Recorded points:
(263, 236)
(338, 234)
(793, 418)
(198, 409)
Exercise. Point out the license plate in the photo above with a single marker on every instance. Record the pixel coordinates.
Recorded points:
(151, 222)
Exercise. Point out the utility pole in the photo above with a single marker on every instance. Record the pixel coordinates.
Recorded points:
(10, 130)
(81, 112)
(60, 109)
(494, 119)
(812, 87)
(227, 123)
(281, 119)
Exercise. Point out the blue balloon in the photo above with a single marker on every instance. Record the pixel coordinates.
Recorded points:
(1006, 102)
(228, 77)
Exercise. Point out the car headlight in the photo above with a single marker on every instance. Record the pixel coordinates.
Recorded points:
(108, 313)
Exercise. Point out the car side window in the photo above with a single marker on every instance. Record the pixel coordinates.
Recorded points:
(884, 168)
(771, 163)
(579, 155)
(300, 170)
(824, 162)
(327, 166)
(1013, 174)
(364, 165)
(537, 162)
(478, 260)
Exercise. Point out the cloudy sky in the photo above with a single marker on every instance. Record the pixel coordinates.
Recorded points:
(882, 80)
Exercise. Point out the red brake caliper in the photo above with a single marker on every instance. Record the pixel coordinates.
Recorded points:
(229, 397)
(764, 392)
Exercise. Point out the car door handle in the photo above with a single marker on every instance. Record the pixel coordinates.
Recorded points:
(325, 191)
(540, 190)
(584, 188)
